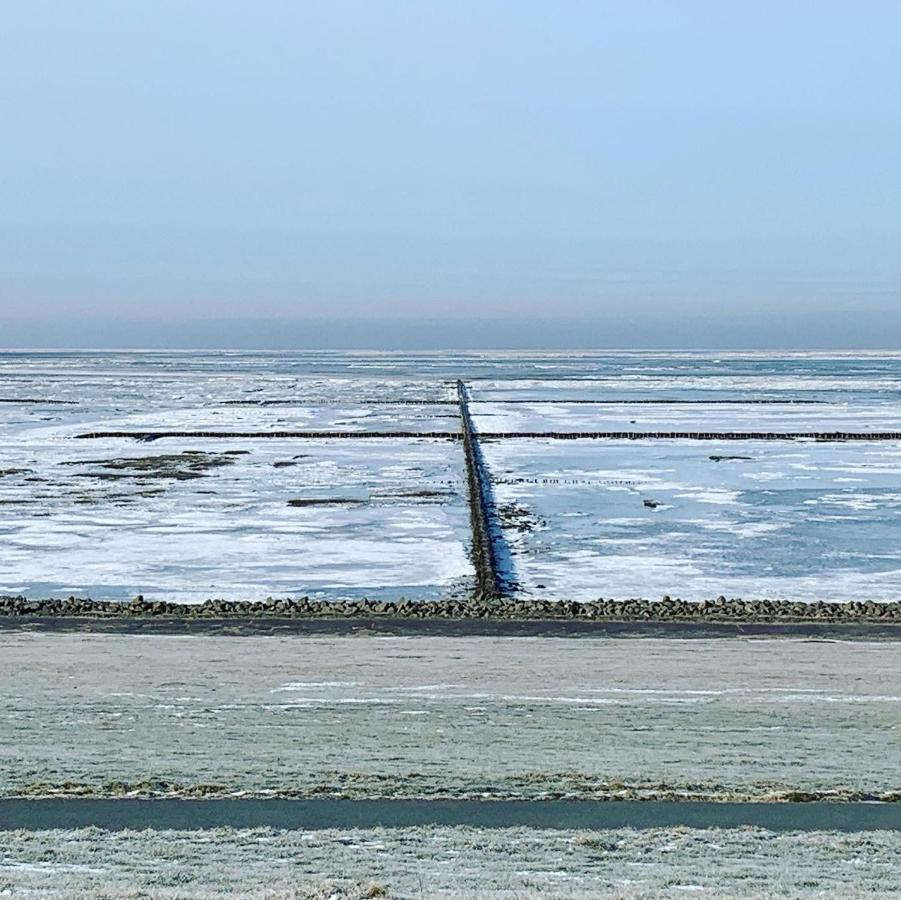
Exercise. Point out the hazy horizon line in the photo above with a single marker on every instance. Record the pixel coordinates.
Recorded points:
(674, 331)
(830, 351)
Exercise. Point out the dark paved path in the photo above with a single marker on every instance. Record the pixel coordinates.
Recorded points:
(815, 631)
(35, 815)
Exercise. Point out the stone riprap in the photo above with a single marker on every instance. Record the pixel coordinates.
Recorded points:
(665, 610)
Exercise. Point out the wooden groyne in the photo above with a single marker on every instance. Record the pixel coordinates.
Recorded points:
(645, 401)
(489, 584)
(38, 401)
(372, 401)
(821, 436)
(296, 435)
(824, 436)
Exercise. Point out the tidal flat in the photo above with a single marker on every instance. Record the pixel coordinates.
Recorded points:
(182, 477)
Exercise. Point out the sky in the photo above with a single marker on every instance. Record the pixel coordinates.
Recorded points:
(468, 173)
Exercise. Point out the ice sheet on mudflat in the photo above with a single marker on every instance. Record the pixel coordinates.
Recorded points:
(690, 375)
(726, 385)
(787, 520)
(187, 401)
(135, 381)
(184, 521)
(344, 417)
(186, 529)
(704, 417)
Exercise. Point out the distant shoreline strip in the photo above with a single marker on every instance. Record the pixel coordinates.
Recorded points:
(820, 436)
(189, 814)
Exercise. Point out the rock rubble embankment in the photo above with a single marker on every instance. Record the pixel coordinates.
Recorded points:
(667, 609)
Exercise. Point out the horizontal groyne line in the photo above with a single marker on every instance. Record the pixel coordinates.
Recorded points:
(658, 402)
(189, 814)
(358, 402)
(38, 401)
(296, 435)
(821, 436)
(488, 581)
(697, 435)
(579, 402)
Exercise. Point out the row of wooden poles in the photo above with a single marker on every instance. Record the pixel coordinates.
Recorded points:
(834, 436)
(488, 581)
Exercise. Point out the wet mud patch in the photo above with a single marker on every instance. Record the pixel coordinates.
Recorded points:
(301, 502)
(432, 496)
(117, 498)
(518, 518)
(287, 463)
(126, 480)
(189, 464)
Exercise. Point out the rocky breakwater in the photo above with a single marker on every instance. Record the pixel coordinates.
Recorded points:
(666, 610)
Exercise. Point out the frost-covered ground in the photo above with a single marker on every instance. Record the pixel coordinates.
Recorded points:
(448, 863)
(369, 717)
(187, 519)
(695, 519)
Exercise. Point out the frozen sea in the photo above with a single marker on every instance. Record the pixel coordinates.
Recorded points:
(187, 518)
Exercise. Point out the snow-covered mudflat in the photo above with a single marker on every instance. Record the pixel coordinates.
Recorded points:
(561, 416)
(788, 520)
(242, 518)
(184, 520)
(284, 416)
(689, 375)
(187, 520)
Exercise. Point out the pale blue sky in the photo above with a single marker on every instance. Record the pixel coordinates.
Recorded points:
(223, 172)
